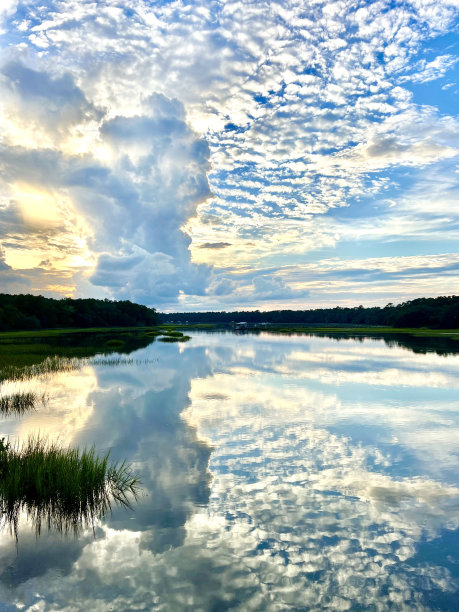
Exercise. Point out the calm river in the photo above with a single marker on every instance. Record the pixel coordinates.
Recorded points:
(278, 473)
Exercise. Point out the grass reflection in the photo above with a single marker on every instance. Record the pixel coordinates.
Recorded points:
(171, 335)
(63, 489)
(50, 365)
(18, 403)
(55, 363)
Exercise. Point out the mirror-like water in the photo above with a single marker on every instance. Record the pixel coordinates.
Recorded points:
(278, 473)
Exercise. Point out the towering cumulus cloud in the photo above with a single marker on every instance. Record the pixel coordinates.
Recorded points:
(86, 190)
(156, 179)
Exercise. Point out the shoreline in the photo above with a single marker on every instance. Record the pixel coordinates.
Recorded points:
(278, 329)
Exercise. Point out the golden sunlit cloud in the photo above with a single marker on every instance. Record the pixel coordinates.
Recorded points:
(49, 241)
(40, 208)
(67, 290)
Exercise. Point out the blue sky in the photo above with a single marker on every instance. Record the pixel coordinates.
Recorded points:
(224, 155)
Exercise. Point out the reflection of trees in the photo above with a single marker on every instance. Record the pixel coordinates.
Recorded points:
(417, 344)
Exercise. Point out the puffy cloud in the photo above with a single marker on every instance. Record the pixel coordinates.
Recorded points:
(170, 460)
(6, 10)
(49, 104)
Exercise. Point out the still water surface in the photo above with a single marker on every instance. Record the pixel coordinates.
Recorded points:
(278, 473)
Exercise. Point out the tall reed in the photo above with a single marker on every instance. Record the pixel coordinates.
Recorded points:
(62, 488)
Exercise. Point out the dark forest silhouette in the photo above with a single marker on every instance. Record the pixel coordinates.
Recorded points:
(441, 313)
(31, 312)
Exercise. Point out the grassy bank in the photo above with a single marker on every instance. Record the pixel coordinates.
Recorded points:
(368, 330)
(180, 338)
(23, 349)
(320, 329)
(27, 354)
(51, 333)
(57, 349)
(5, 337)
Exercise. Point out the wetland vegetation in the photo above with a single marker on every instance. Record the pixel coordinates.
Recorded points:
(65, 489)
(173, 336)
(55, 349)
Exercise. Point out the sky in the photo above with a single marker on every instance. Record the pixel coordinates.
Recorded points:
(223, 155)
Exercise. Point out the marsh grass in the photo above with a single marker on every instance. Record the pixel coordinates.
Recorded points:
(61, 488)
(180, 338)
(50, 365)
(23, 401)
(363, 330)
(171, 335)
(118, 361)
(54, 364)
(23, 349)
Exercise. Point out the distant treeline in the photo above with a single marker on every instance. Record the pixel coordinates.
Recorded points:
(29, 312)
(441, 312)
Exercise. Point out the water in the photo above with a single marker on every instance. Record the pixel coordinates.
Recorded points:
(279, 473)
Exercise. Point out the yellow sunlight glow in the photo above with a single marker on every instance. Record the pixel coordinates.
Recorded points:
(38, 206)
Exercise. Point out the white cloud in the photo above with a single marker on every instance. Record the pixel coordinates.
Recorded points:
(7, 8)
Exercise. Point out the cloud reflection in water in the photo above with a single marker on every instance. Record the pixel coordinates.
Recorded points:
(263, 488)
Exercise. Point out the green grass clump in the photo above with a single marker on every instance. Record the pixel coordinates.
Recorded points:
(153, 333)
(173, 334)
(62, 488)
(21, 402)
(202, 326)
(174, 338)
